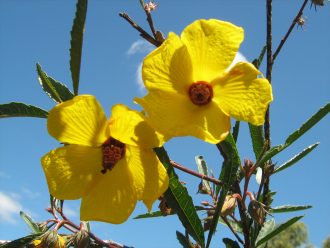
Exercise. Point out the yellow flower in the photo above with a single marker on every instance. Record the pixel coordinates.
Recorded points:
(192, 90)
(109, 164)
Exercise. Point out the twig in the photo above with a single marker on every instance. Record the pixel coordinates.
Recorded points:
(144, 34)
(194, 173)
(151, 23)
(294, 22)
(232, 230)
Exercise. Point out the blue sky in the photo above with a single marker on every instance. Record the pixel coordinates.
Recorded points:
(39, 31)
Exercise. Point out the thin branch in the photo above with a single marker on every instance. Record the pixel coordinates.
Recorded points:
(151, 23)
(286, 36)
(232, 230)
(144, 34)
(194, 173)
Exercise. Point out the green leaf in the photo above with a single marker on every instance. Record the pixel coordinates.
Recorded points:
(257, 62)
(230, 243)
(236, 130)
(18, 109)
(159, 214)
(21, 242)
(297, 134)
(183, 240)
(228, 175)
(33, 226)
(296, 158)
(179, 200)
(258, 139)
(77, 34)
(288, 208)
(267, 228)
(202, 168)
(236, 226)
(278, 229)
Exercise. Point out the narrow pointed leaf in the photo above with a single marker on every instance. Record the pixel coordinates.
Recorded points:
(202, 168)
(297, 134)
(32, 225)
(18, 109)
(296, 158)
(179, 200)
(47, 86)
(236, 226)
(159, 213)
(267, 228)
(230, 243)
(21, 242)
(77, 34)
(236, 130)
(183, 240)
(288, 208)
(228, 175)
(258, 139)
(278, 229)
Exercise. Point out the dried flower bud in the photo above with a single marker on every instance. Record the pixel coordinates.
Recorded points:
(257, 211)
(151, 6)
(228, 206)
(81, 239)
(163, 207)
(202, 189)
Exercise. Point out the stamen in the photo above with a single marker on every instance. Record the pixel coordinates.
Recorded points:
(113, 150)
(200, 93)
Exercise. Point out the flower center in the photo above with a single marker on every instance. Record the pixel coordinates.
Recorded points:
(200, 93)
(113, 150)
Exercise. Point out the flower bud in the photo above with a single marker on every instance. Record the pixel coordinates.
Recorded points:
(51, 239)
(81, 239)
(318, 2)
(257, 211)
(228, 206)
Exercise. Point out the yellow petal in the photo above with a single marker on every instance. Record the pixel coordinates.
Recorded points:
(112, 199)
(70, 170)
(78, 121)
(242, 95)
(212, 46)
(175, 115)
(168, 67)
(130, 127)
(149, 175)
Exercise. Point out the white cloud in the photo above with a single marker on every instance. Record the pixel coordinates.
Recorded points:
(140, 46)
(69, 212)
(9, 208)
(138, 78)
(238, 58)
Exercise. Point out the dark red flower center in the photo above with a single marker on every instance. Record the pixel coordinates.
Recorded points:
(113, 150)
(200, 93)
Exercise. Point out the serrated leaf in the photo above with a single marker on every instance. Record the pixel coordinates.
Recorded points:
(18, 109)
(21, 242)
(230, 243)
(288, 208)
(202, 168)
(278, 229)
(183, 240)
(32, 225)
(47, 86)
(180, 201)
(296, 158)
(77, 34)
(268, 227)
(297, 134)
(56, 90)
(258, 139)
(228, 174)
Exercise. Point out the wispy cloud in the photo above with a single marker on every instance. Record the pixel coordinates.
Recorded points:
(140, 46)
(29, 193)
(70, 212)
(138, 78)
(9, 208)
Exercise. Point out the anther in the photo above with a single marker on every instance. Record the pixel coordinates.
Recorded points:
(200, 93)
(113, 150)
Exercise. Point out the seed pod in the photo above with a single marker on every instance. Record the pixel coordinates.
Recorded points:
(257, 211)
